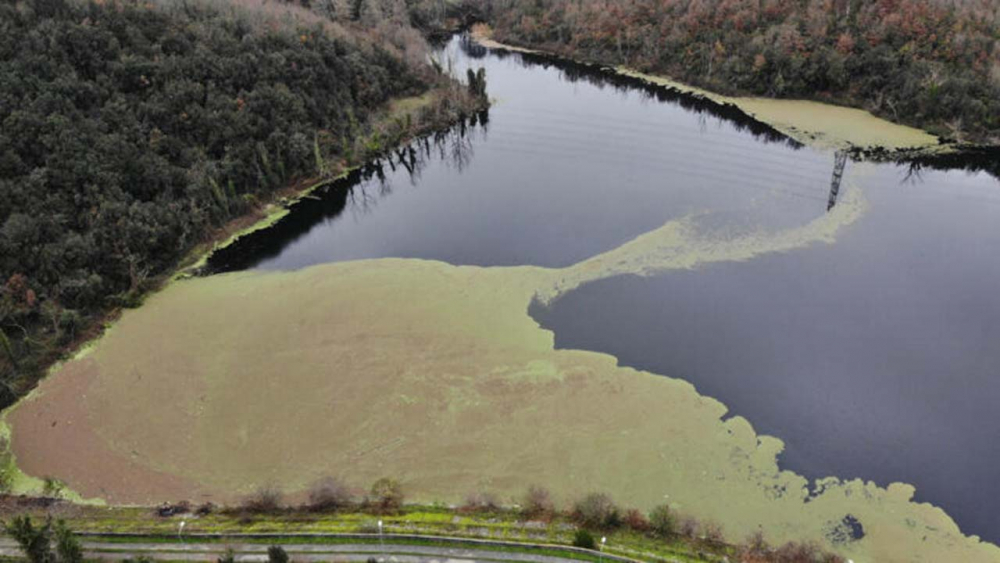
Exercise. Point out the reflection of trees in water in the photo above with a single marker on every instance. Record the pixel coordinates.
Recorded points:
(360, 192)
(472, 48)
(605, 77)
(839, 163)
(454, 148)
(972, 160)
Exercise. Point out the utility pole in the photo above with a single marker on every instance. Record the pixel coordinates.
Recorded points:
(839, 162)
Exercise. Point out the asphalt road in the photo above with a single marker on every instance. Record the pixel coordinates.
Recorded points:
(255, 552)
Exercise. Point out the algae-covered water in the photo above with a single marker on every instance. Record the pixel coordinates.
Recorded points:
(841, 311)
(877, 357)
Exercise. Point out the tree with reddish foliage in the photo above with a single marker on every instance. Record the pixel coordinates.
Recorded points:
(929, 63)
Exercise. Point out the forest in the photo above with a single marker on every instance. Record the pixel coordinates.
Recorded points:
(132, 131)
(933, 64)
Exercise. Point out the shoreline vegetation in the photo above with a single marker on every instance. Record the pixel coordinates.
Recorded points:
(261, 211)
(333, 513)
(811, 123)
(171, 169)
(932, 64)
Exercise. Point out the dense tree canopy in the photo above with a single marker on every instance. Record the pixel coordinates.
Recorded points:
(930, 63)
(130, 130)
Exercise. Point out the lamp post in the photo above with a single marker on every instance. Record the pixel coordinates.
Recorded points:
(180, 530)
(600, 556)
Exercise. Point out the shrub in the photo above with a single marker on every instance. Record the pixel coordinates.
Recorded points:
(329, 495)
(755, 548)
(52, 487)
(264, 500)
(386, 495)
(537, 504)
(662, 521)
(584, 539)
(277, 554)
(689, 527)
(35, 543)
(597, 511)
(480, 502)
(636, 520)
(67, 546)
(712, 532)
(794, 552)
(6, 480)
(228, 556)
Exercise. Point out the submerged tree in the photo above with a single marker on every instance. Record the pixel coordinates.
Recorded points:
(477, 82)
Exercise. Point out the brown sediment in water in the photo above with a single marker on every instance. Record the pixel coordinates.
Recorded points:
(436, 375)
(61, 418)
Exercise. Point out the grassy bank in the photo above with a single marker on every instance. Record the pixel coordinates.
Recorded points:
(132, 525)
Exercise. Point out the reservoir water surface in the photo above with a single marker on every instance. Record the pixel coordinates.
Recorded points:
(875, 357)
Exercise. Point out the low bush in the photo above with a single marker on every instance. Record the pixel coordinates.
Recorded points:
(35, 542)
(277, 554)
(67, 546)
(329, 495)
(386, 495)
(712, 533)
(480, 502)
(537, 504)
(597, 511)
(662, 521)
(52, 487)
(636, 520)
(689, 527)
(265, 500)
(584, 539)
(228, 556)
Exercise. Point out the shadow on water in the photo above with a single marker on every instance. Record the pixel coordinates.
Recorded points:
(983, 159)
(604, 77)
(357, 193)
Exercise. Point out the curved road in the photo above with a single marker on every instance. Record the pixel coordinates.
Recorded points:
(256, 552)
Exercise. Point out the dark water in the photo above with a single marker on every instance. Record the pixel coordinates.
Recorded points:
(569, 165)
(875, 357)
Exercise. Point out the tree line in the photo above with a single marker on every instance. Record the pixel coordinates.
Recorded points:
(934, 64)
(131, 131)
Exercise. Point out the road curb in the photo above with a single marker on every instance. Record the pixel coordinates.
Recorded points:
(525, 546)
